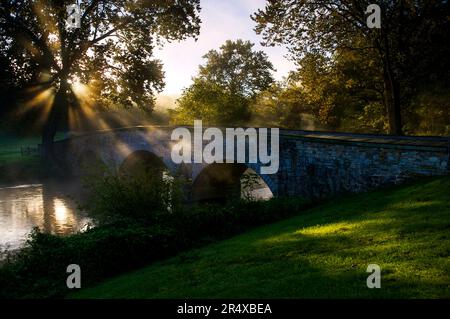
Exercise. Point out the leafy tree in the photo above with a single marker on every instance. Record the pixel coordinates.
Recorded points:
(344, 91)
(237, 68)
(408, 29)
(341, 92)
(211, 103)
(110, 54)
(282, 105)
(225, 86)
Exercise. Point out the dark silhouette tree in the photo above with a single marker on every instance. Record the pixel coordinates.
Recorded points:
(112, 50)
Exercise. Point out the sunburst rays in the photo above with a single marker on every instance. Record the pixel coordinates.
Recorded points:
(84, 96)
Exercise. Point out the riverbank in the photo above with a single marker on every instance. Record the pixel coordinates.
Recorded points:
(127, 242)
(321, 253)
(31, 197)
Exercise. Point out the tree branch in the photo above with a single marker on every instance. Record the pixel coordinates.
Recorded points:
(39, 42)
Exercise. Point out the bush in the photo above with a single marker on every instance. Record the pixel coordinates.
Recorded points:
(38, 270)
(143, 196)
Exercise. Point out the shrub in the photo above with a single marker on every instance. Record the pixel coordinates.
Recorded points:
(140, 197)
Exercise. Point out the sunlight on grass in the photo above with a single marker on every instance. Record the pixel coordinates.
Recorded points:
(341, 228)
(412, 204)
(329, 229)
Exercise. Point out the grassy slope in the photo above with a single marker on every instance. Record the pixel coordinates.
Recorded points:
(323, 252)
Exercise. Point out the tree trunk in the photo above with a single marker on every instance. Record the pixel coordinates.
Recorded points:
(54, 120)
(393, 105)
(391, 92)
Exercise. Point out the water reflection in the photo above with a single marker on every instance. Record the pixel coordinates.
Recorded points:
(48, 206)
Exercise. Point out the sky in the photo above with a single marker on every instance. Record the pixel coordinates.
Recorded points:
(221, 20)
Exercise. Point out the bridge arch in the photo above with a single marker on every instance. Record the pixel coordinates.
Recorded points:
(90, 161)
(219, 181)
(141, 161)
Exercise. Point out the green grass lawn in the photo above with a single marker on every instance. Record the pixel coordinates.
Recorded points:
(322, 252)
(10, 147)
(13, 164)
(18, 166)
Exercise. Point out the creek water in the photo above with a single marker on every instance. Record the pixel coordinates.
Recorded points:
(53, 206)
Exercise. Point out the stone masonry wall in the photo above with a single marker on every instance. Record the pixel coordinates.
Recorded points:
(318, 168)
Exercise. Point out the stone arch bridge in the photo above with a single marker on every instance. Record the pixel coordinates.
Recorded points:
(311, 164)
